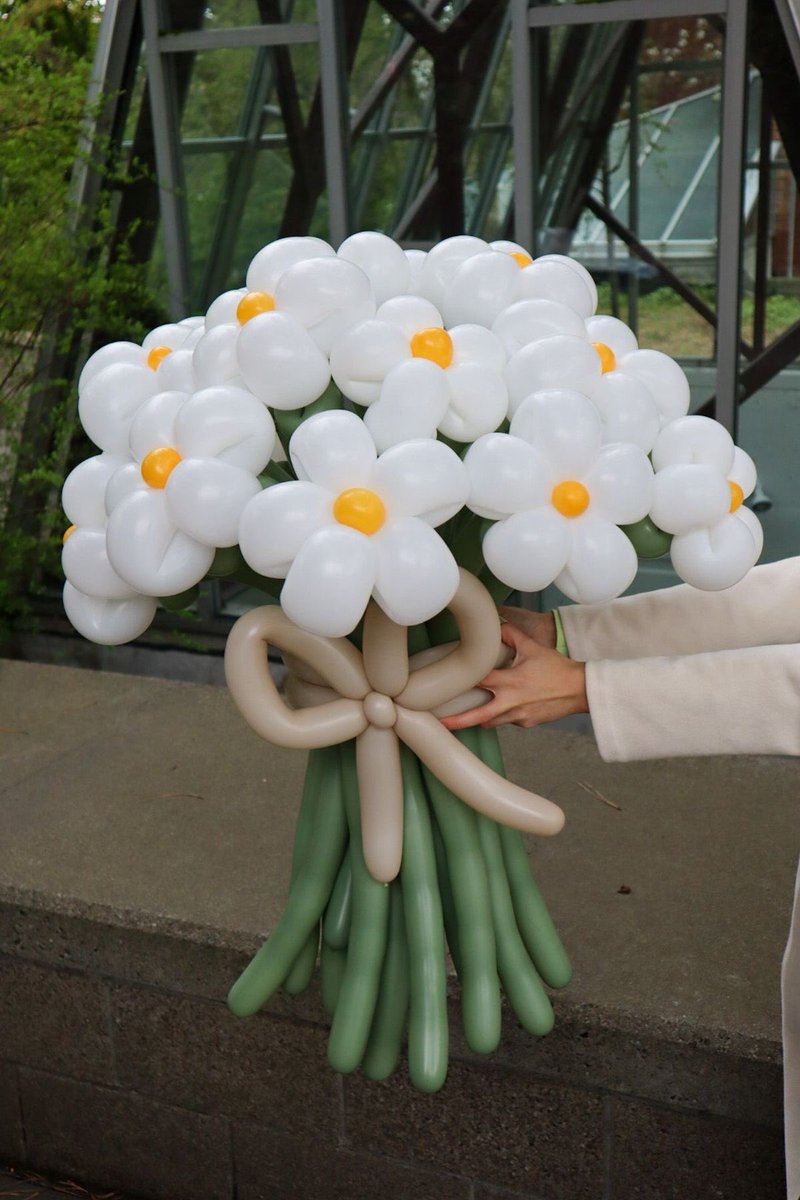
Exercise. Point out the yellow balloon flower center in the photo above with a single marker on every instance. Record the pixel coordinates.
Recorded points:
(158, 465)
(157, 356)
(608, 361)
(737, 495)
(252, 305)
(361, 509)
(434, 344)
(68, 534)
(522, 258)
(570, 498)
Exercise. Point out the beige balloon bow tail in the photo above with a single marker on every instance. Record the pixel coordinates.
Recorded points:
(380, 698)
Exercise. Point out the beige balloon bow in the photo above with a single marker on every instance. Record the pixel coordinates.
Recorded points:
(380, 698)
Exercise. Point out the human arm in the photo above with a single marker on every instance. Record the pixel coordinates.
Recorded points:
(762, 609)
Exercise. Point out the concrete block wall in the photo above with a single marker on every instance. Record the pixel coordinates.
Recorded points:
(120, 1065)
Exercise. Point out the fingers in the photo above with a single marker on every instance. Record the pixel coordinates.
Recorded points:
(475, 716)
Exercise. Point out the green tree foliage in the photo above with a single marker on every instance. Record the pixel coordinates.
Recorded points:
(55, 282)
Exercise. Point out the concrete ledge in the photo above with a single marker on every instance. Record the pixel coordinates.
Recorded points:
(144, 849)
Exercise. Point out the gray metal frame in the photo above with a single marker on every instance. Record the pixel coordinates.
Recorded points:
(527, 20)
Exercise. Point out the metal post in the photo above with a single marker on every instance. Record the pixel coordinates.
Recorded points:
(335, 118)
(523, 132)
(730, 225)
(171, 185)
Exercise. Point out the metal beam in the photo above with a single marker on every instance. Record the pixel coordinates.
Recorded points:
(335, 119)
(278, 34)
(620, 10)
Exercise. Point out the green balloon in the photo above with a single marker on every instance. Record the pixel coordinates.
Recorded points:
(181, 601)
(226, 561)
(647, 539)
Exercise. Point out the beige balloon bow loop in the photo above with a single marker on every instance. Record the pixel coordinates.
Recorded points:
(380, 698)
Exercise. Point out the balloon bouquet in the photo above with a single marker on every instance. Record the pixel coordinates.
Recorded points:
(386, 443)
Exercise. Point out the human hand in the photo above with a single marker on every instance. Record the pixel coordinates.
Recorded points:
(539, 685)
(541, 626)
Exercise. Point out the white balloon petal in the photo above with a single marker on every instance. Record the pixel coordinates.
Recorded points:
(108, 622)
(602, 562)
(481, 288)
(478, 402)
(564, 426)
(126, 480)
(363, 357)
(743, 471)
(228, 424)
(214, 356)
(556, 362)
(628, 410)
(278, 521)
(663, 378)
(417, 575)
(330, 581)
(206, 497)
(411, 314)
(474, 344)
(754, 525)
(532, 320)
(556, 277)
(327, 296)
(506, 475)
(382, 261)
(421, 479)
(414, 399)
(273, 260)
(147, 550)
(84, 560)
(716, 557)
(687, 496)
(280, 362)
(529, 549)
(442, 262)
(110, 401)
(153, 427)
(612, 332)
(83, 494)
(620, 483)
(335, 450)
(694, 440)
(114, 353)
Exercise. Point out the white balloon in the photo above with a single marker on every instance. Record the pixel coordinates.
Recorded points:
(363, 357)
(663, 378)
(273, 260)
(84, 561)
(694, 440)
(327, 296)
(280, 362)
(227, 424)
(223, 310)
(687, 496)
(554, 277)
(564, 426)
(413, 400)
(628, 410)
(83, 494)
(620, 484)
(754, 525)
(153, 427)
(529, 549)
(716, 557)
(276, 523)
(423, 479)
(205, 498)
(147, 550)
(335, 450)
(442, 262)
(416, 261)
(214, 357)
(382, 261)
(110, 401)
(411, 314)
(573, 265)
(478, 402)
(743, 471)
(611, 332)
(602, 562)
(531, 320)
(108, 622)
(330, 581)
(506, 475)
(114, 353)
(482, 287)
(174, 335)
(556, 362)
(417, 575)
(474, 344)
(176, 371)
